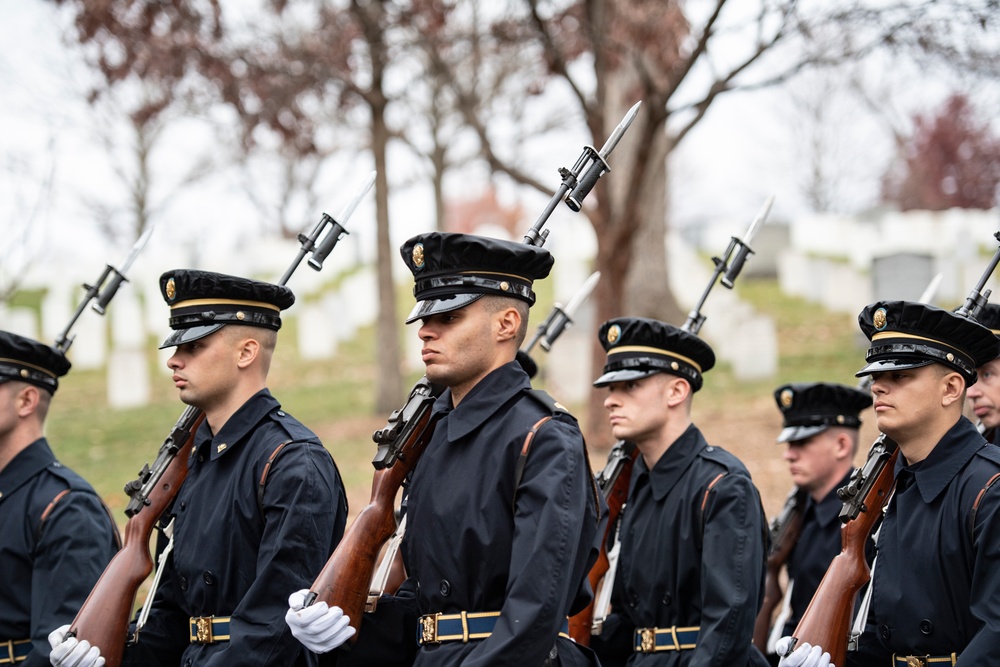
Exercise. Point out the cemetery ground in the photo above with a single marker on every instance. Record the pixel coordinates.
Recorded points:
(335, 398)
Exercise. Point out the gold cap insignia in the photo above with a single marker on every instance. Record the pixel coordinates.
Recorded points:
(170, 289)
(240, 315)
(674, 365)
(879, 319)
(840, 419)
(786, 398)
(24, 372)
(504, 285)
(418, 255)
(614, 333)
(950, 356)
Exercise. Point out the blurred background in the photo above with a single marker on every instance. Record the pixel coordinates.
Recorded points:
(229, 126)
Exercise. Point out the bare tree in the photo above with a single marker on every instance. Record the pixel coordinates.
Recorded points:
(680, 58)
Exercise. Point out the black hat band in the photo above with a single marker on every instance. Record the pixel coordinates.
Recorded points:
(850, 421)
(198, 312)
(685, 370)
(890, 350)
(12, 369)
(643, 349)
(505, 285)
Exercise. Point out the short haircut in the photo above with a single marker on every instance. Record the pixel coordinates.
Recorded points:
(494, 304)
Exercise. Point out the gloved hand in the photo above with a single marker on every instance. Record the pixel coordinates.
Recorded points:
(71, 652)
(319, 627)
(804, 655)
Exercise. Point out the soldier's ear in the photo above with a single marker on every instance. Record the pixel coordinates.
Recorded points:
(508, 323)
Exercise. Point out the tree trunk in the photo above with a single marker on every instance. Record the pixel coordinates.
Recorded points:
(389, 385)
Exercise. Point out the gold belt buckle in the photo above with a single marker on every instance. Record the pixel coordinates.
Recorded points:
(648, 639)
(916, 661)
(10, 652)
(203, 627)
(429, 629)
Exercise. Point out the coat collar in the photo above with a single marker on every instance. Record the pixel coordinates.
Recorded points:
(483, 401)
(29, 462)
(948, 457)
(237, 427)
(667, 472)
(828, 509)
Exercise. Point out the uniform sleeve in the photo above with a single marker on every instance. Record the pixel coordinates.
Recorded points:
(732, 572)
(548, 557)
(304, 517)
(76, 542)
(985, 594)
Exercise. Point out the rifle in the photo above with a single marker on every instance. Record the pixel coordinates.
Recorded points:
(345, 579)
(827, 620)
(618, 470)
(553, 326)
(104, 617)
(613, 481)
(104, 293)
(785, 530)
(390, 572)
(728, 267)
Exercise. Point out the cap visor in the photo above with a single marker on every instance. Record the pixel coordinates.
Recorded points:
(794, 433)
(181, 336)
(429, 307)
(892, 365)
(623, 376)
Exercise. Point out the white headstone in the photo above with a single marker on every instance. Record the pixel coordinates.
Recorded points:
(128, 378)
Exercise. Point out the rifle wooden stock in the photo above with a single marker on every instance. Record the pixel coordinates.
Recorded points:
(104, 617)
(827, 620)
(345, 579)
(785, 531)
(615, 488)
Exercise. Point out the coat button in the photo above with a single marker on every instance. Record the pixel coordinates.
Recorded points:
(445, 588)
(666, 598)
(208, 577)
(633, 600)
(184, 583)
(183, 506)
(885, 632)
(926, 627)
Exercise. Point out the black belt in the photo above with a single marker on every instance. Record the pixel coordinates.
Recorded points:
(209, 629)
(15, 651)
(462, 627)
(923, 660)
(654, 640)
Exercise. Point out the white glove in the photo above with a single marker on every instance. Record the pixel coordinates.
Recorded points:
(803, 656)
(320, 628)
(71, 652)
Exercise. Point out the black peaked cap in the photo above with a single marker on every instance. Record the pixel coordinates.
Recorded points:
(29, 361)
(907, 334)
(638, 347)
(450, 270)
(989, 317)
(809, 408)
(202, 302)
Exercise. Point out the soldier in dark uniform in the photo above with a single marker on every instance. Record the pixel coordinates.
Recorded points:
(56, 536)
(499, 532)
(984, 396)
(821, 422)
(693, 532)
(936, 582)
(263, 504)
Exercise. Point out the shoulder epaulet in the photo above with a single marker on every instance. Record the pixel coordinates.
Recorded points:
(550, 404)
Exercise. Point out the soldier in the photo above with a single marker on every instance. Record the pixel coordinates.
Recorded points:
(693, 532)
(821, 422)
(935, 584)
(262, 505)
(984, 396)
(501, 528)
(56, 536)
